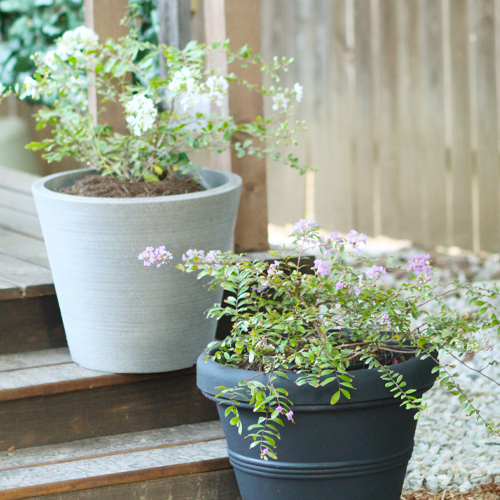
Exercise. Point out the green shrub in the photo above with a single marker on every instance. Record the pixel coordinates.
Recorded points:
(29, 26)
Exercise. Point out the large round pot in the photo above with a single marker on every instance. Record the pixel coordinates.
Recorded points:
(118, 315)
(357, 449)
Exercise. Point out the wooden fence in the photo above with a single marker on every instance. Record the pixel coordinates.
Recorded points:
(401, 99)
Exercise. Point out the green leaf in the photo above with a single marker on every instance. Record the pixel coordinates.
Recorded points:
(346, 393)
(150, 177)
(335, 398)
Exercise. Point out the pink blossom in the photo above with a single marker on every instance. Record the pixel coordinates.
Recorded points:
(375, 272)
(274, 268)
(322, 266)
(158, 256)
(356, 239)
(420, 266)
(192, 254)
(304, 225)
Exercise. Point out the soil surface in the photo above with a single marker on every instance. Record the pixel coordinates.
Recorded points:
(111, 187)
(485, 492)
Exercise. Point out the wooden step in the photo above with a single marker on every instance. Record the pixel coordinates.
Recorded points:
(187, 462)
(29, 312)
(45, 398)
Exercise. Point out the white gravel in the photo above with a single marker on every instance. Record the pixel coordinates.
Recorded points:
(451, 451)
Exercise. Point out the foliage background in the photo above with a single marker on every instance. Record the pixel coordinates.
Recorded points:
(29, 26)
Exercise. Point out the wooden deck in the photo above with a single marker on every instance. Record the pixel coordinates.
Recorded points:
(26, 285)
(24, 266)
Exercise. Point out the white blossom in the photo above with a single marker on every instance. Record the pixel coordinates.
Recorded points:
(141, 113)
(280, 101)
(217, 88)
(49, 59)
(73, 42)
(186, 87)
(31, 88)
(298, 90)
(2, 89)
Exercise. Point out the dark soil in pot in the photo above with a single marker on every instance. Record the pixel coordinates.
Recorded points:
(111, 187)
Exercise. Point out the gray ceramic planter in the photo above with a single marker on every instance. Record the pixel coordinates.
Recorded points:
(120, 316)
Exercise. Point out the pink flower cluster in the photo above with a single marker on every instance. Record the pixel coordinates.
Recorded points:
(157, 256)
(420, 266)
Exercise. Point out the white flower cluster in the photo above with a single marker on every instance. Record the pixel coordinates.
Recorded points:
(2, 89)
(141, 113)
(72, 44)
(217, 88)
(30, 88)
(281, 99)
(192, 92)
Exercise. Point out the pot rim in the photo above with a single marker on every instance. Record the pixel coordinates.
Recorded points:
(231, 181)
(369, 386)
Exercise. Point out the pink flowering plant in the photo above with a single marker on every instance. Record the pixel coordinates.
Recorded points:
(325, 316)
(168, 115)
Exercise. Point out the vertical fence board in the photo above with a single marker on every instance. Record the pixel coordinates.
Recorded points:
(433, 158)
(409, 119)
(488, 176)
(363, 138)
(333, 186)
(460, 150)
(286, 189)
(387, 120)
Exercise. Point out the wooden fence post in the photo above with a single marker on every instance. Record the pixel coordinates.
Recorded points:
(104, 16)
(240, 22)
(174, 17)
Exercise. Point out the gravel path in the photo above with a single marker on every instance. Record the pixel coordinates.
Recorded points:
(451, 451)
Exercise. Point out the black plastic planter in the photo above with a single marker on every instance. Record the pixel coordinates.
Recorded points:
(357, 449)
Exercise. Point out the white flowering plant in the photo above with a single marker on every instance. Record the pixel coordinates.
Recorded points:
(168, 116)
(4, 92)
(324, 317)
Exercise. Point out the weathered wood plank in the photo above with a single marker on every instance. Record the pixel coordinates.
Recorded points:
(100, 406)
(363, 138)
(22, 361)
(433, 168)
(114, 469)
(16, 181)
(387, 120)
(488, 173)
(19, 201)
(333, 181)
(109, 445)
(46, 378)
(9, 291)
(174, 19)
(409, 119)
(104, 18)
(215, 485)
(23, 223)
(286, 189)
(29, 324)
(32, 279)
(239, 22)
(461, 145)
(24, 248)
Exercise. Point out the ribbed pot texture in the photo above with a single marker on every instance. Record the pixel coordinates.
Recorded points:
(357, 449)
(120, 316)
